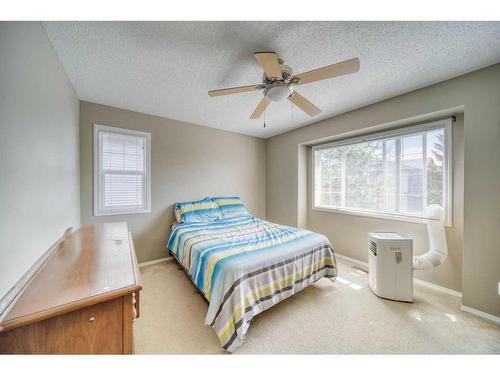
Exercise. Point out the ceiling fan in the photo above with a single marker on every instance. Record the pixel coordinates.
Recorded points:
(278, 82)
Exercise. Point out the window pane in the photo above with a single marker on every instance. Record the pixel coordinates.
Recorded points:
(123, 190)
(365, 175)
(122, 175)
(391, 175)
(435, 170)
(328, 178)
(397, 174)
(411, 175)
(122, 152)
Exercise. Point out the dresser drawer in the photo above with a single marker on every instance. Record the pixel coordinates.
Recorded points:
(95, 329)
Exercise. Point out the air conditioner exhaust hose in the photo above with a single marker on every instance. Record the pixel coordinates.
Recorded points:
(438, 251)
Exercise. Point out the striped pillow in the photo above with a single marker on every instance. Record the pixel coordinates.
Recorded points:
(196, 212)
(231, 207)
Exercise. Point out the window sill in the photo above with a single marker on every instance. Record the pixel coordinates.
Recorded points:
(114, 213)
(375, 215)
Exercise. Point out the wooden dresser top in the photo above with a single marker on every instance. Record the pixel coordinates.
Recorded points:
(93, 264)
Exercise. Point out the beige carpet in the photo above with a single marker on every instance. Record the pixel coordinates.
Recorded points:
(325, 318)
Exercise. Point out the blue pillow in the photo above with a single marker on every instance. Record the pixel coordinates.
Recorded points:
(200, 211)
(231, 207)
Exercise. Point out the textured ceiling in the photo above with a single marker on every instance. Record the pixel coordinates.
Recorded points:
(166, 68)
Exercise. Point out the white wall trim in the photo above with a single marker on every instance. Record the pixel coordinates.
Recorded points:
(352, 262)
(481, 314)
(438, 288)
(156, 261)
(364, 266)
(97, 192)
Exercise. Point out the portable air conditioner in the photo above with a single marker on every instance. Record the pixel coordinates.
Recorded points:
(390, 266)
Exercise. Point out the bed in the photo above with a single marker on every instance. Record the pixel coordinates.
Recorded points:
(244, 265)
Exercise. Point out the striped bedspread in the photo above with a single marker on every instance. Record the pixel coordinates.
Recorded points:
(245, 265)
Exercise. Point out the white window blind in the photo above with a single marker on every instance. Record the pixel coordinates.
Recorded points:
(398, 173)
(121, 166)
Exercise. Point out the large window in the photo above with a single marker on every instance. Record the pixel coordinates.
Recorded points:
(395, 174)
(121, 171)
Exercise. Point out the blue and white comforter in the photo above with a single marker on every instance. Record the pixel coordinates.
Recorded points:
(245, 265)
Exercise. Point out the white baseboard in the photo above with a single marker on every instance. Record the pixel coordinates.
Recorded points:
(352, 262)
(481, 314)
(438, 288)
(156, 261)
(364, 266)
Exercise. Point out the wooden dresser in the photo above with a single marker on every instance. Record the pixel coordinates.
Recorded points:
(82, 300)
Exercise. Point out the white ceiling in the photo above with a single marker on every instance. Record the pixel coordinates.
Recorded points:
(166, 68)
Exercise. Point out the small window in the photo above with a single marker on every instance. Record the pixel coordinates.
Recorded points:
(121, 171)
(397, 173)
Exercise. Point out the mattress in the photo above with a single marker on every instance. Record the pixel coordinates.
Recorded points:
(246, 265)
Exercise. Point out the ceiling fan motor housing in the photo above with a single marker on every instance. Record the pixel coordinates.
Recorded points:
(277, 90)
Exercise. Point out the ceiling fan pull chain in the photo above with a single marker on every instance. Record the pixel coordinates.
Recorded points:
(265, 118)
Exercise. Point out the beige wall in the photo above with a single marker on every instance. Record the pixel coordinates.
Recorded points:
(477, 95)
(39, 166)
(188, 162)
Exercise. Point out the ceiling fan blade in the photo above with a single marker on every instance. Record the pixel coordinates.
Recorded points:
(235, 90)
(334, 70)
(269, 63)
(260, 108)
(304, 104)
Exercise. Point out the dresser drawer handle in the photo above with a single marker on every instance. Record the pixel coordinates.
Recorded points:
(92, 319)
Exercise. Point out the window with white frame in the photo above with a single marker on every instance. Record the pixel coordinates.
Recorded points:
(121, 171)
(396, 173)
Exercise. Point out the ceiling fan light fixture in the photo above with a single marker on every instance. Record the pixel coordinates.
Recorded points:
(278, 82)
(278, 91)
